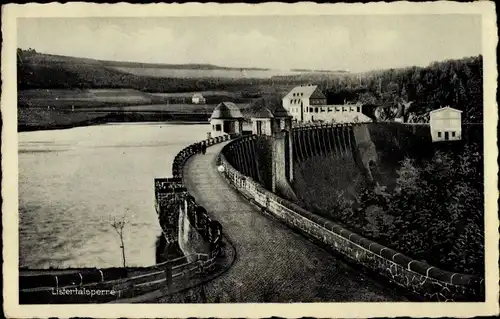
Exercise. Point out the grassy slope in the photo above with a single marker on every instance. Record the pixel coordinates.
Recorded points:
(44, 58)
(49, 71)
(93, 87)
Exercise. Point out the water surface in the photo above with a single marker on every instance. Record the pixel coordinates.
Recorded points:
(73, 182)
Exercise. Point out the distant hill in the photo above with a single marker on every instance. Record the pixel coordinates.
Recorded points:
(42, 58)
(45, 71)
(319, 71)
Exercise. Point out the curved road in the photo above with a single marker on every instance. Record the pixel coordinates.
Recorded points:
(273, 263)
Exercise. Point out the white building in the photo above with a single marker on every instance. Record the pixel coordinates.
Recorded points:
(226, 119)
(306, 103)
(198, 99)
(446, 124)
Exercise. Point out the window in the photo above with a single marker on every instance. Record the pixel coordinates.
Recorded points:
(337, 109)
(329, 109)
(351, 109)
(358, 109)
(316, 110)
(259, 127)
(218, 127)
(453, 134)
(439, 134)
(322, 109)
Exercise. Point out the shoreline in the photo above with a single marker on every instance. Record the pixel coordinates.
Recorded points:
(102, 121)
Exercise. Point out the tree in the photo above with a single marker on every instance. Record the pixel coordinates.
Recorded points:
(119, 225)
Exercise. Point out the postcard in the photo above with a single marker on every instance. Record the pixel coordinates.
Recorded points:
(237, 160)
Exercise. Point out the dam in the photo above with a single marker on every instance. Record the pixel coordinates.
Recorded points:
(296, 188)
(234, 214)
(281, 175)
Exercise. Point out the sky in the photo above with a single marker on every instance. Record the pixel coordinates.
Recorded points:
(341, 42)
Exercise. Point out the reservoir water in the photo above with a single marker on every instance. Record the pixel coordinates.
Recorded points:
(73, 182)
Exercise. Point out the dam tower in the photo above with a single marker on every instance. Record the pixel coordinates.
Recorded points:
(273, 126)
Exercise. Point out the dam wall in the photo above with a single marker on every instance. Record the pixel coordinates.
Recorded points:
(427, 281)
(350, 156)
(266, 159)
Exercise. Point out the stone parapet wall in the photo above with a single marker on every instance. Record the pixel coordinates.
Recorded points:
(427, 281)
(210, 230)
(181, 157)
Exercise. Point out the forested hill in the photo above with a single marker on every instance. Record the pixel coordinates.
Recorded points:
(456, 83)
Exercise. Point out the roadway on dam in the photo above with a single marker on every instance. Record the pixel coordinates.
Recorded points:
(273, 263)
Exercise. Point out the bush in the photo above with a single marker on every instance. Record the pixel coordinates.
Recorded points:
(435, 212)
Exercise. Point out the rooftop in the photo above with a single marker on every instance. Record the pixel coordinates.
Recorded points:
(305, 91)
(226, 110)
(267, 107)
(445, 108)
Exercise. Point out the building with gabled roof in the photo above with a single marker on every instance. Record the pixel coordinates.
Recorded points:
(300, 98)
(198, 99)
(445, 124)
(268, 116)
(306, 103)
(226, 119)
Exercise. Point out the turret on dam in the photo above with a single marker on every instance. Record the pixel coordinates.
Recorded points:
(268, 155)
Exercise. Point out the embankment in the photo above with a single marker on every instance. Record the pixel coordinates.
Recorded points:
(41, 119)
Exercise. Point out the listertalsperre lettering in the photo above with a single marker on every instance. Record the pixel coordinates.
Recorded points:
(82, 292)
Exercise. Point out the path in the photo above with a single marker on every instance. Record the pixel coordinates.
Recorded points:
(273, 263)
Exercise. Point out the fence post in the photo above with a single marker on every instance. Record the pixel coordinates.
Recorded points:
(168, 275)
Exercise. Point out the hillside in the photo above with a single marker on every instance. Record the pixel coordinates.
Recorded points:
(43, 71)
(41, 58)
(411, 92)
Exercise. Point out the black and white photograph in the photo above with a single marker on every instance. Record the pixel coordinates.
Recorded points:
(278, 156)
